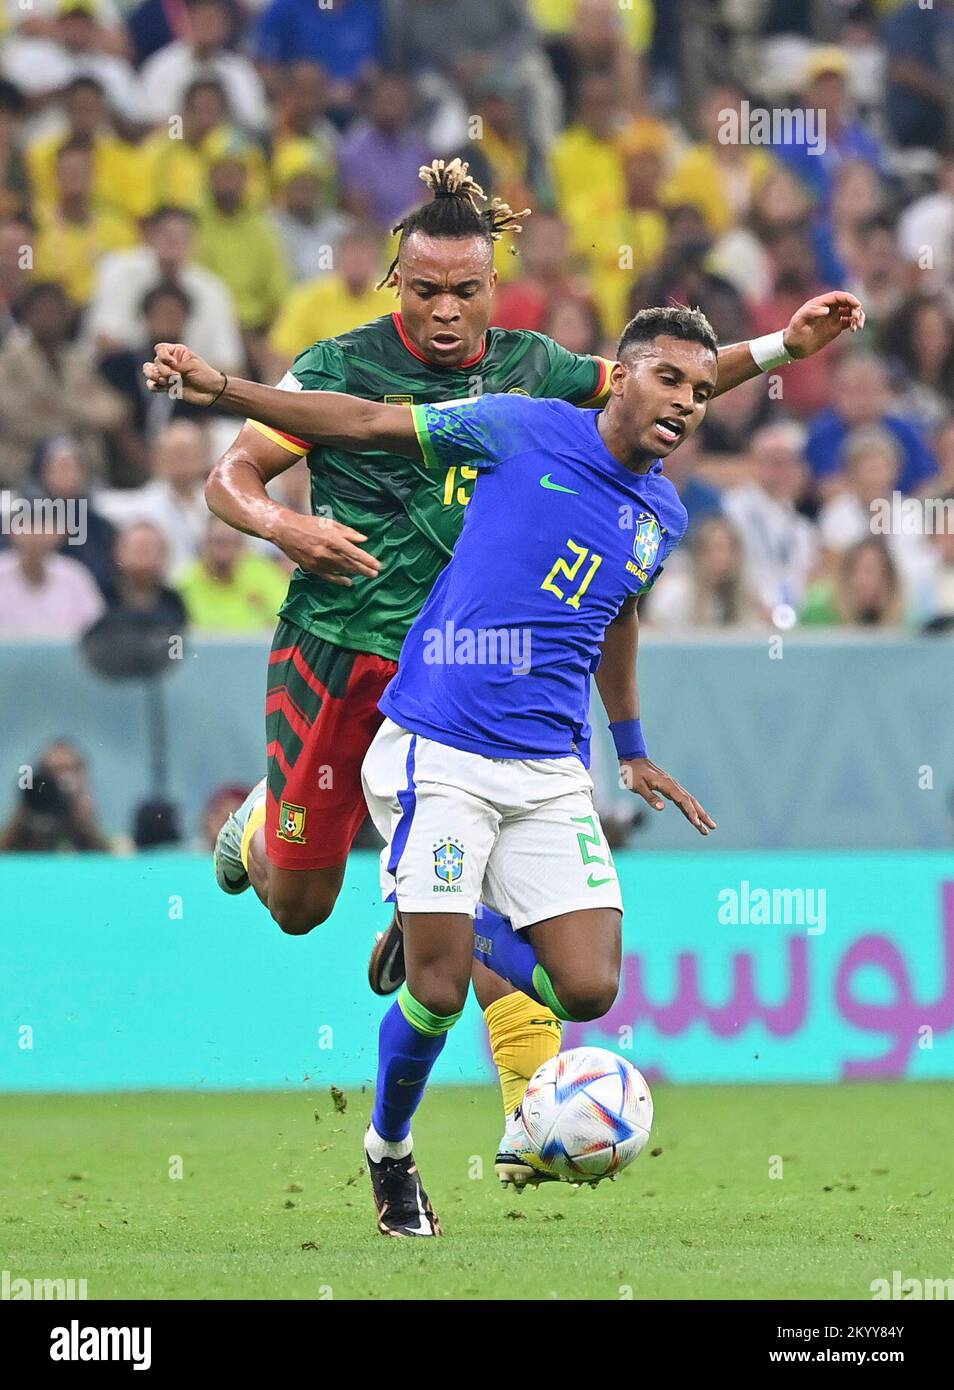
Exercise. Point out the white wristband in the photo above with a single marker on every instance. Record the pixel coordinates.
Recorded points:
(770, 351)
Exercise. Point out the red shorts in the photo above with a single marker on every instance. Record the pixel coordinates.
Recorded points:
(321, 713)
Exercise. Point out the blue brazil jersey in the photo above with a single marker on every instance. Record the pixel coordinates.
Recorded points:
(556, 536)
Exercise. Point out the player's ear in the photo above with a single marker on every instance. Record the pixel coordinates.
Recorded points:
(617, 378)
(493, 279)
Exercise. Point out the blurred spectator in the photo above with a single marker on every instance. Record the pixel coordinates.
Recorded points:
(138, 588)
(574, 323)
(943, 441)
(585, 36)
(857, 198)
(508, 169)
(16, 267)
(379, 158)
(460, 42)
(919, 40)
(871, 462)
(815, 155)
(699, 497)
(119, 182)
(804, 387)
(683, 276)
(632, 243)
(334, 304)
(309, 226)
(727, 431)
(779, 543)
(878, 273)
(939, 591)
(114, 317)
(205, 51)
(173, 501)
(545, 275)
(230, 588)
(719, 176)
(15, 192)
(301, 113)
(861, 395)
(177, 170)
(926, 229)
(49, 386)
(56, 810)
(216, 811)
(865, 590)
(73, 46)
(63, 477)
(346, 38)
(43, 594)
(241, 246)
(165, 312)
(586, 162)
(921, 338)
(713, 589)
(73, 233)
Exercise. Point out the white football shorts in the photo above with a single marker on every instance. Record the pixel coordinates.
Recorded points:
(521, 835)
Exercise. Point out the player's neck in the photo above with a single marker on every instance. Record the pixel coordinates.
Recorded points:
(615, 441)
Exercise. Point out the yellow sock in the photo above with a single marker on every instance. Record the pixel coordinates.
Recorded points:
(523, 1035)
(255, 821)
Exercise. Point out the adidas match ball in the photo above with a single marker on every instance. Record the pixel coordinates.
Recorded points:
(587, 1113)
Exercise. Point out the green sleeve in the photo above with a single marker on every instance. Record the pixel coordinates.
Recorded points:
(581, 380)
(321, 367)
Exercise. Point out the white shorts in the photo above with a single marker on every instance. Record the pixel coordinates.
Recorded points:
(521, 836)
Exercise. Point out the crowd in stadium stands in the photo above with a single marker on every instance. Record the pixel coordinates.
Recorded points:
(228, 175)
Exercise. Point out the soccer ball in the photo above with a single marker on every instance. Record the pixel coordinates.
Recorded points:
(587, 1114)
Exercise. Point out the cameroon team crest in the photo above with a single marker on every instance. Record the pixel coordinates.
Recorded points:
(646, 542)
(448, 861)
(291, 823)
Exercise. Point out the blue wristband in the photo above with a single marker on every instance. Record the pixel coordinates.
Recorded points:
(628, 737)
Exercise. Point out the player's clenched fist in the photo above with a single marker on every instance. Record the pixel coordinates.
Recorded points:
(182, 373)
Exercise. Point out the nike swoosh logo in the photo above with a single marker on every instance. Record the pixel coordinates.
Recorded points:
(414, 1081)
(555, 487)
(597, 882)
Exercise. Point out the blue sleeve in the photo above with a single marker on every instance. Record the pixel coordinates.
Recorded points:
(481, 432)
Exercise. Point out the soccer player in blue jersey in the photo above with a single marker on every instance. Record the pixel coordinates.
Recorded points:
(477, 779)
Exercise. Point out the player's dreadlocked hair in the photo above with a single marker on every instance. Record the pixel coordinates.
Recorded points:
(454, 211)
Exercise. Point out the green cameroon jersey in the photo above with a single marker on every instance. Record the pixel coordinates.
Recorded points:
(410, 516)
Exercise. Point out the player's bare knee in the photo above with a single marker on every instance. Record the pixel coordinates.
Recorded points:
(440, 994)
(590, 998)
(299, 918)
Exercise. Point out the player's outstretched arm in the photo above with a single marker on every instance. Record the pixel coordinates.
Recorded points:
(328, 417)
(812, 327)
(619, 690)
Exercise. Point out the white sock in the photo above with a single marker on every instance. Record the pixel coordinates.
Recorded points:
(378, 1148)
(514, 1125)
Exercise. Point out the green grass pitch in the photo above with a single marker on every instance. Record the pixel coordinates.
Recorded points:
(274, 1202)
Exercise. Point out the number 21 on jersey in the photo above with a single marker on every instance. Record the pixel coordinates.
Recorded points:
(570, 570)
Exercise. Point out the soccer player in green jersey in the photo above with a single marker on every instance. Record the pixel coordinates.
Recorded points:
(338, 638)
